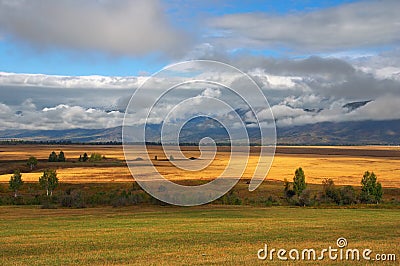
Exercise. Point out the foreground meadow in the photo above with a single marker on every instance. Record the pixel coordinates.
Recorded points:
(181, 236)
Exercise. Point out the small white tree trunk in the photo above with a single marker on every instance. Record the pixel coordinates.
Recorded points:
(47, 192)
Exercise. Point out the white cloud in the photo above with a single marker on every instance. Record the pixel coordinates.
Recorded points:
(127, 27)
(57, 117)
(383, 108)
(349, 26)
(92, 82)
(209, 92)
(282, 111)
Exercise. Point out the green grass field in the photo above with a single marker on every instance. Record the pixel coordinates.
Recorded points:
(152, 235)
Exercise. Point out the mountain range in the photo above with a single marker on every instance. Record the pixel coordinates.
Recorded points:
(324, 133)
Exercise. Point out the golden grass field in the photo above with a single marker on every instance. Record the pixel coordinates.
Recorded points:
(345, 165)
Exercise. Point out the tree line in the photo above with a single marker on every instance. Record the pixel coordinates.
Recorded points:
(296, 192)
(48, 181)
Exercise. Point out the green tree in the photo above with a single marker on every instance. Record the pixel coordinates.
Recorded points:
(49, 181)
(378, 192)
(32, 162)
(16, 182)
(83, 158)
(53, 157)
(371, 190)
(61, 157)
(299, 181)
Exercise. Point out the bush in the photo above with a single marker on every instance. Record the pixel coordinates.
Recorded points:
(305, 198)
(330, 192)
(136, 187)
(347, 195)
(73, 198)
(289, 193)
(95, 157)
(265, 202)
(230, 198)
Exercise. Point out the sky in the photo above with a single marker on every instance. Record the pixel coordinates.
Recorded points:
(73, 64)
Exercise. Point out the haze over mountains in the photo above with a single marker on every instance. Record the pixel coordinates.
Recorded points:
(365, 132)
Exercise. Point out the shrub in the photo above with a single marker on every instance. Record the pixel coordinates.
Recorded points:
(73, 198)
(347, 195)
(330, 192)
(95, 157)
(289, 193)
(231, 198)
(305, 198)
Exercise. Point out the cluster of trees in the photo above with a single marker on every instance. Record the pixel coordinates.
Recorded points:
(371, 191)
(94, 157)
(48, 181)
(297, 192)
(83, 158)
(341, 196)
(53, 157)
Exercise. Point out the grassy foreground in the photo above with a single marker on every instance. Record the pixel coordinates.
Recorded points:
(152, 235)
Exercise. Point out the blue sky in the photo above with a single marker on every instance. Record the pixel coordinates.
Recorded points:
(19, 56)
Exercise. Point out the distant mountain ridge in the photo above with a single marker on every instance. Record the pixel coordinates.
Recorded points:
(324, 133)
(355, 105)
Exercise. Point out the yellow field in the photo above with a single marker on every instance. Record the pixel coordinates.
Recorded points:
(345, 165)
